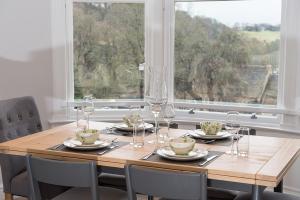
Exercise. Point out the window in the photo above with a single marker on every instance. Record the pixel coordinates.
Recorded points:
(227, 51)
(219, 56)
(108, 41)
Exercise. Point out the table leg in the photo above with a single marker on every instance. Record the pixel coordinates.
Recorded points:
(257, 192)
(279, 187)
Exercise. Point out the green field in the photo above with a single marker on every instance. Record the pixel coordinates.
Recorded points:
(267, 36)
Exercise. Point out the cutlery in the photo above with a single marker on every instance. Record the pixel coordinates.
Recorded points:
(208, 160)
(56, 147)
(109, 149)
(207, 141)
(112, 141)
(149, 155)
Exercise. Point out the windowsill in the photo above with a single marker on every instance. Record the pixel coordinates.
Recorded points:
(184, 121)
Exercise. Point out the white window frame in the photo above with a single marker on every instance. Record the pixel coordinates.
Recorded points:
(169, 35)
(100, 103)
(159, 51)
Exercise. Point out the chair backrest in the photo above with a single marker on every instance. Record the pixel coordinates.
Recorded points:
(18, 117)
(166, 184)
(174, 125)
(61, 173)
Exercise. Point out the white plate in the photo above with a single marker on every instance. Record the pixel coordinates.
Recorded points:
(167, 153)
(75, 144)
(200, 134)
(124, 127)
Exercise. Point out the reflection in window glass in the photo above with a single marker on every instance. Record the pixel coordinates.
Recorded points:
(227, 51)
(108, 48)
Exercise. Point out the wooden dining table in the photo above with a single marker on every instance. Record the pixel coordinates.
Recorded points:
(269, 159)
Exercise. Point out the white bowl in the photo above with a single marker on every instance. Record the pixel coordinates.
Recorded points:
(182, 145)
(211, 128)
(87, 136)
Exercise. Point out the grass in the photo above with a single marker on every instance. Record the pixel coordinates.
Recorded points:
(267, 36)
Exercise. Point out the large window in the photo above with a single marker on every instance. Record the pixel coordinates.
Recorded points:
(218, 55)
(227, 51)
(108, 41)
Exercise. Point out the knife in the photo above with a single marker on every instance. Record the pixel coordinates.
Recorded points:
(208, 160)
(207, 141)
(56, 147)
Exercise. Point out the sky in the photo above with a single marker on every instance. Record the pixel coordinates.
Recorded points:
(231, 12)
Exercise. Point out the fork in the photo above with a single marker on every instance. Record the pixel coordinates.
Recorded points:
(109, 149)
(149, 155)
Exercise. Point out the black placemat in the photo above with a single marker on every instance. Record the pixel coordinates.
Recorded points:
(157, 158)
(63, 148)
(115, 131)
(222, 142)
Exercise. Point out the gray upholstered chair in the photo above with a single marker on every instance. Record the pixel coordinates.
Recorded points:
(269, 196)
(19, 117)
(165, 184)
(118, 180)
(82, 177)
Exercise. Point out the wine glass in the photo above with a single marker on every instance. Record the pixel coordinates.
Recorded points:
(168, 115)
(232, 125)
(156, 94)
(78, 109)
(88, 108)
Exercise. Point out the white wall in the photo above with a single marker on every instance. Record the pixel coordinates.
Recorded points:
(26, 52)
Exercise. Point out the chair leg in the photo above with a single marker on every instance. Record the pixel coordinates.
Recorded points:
(8, 196)
(279, 187)
(150, 198)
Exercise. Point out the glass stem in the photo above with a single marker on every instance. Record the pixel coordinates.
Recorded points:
(232, 146)
(88, 122)
(134, 134)
(77, 118)
(156, 130)
(168, 133)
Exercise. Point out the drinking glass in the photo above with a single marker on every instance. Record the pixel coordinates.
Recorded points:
(139, 135)
(232, 125)
(88, 108)
(168, 116)
(243, 142)
(137, 122)
(156, 94)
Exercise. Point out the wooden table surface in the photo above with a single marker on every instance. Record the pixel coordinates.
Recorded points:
(269, 158)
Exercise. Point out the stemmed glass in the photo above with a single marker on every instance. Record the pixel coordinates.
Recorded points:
(88, 108)
(156, 94)
(232, 125)
(78, 108)
(168, 115)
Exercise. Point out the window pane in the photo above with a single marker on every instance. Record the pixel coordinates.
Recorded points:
(108, 48)
(227, 51)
